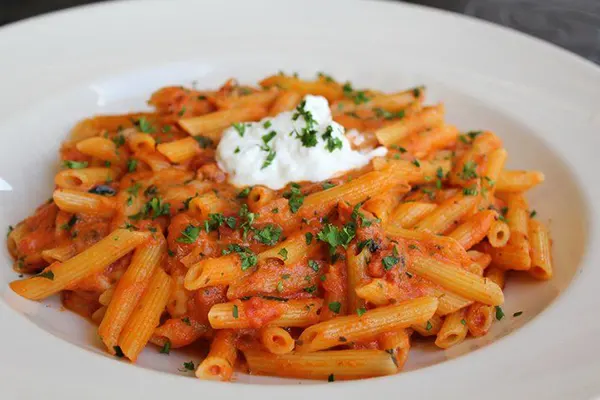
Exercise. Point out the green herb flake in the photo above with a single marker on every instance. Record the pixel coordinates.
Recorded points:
(308, 236)
(189, 234)
(499, 313)
(235, 312)
(166, 349)
(283, 253)
(75, 164)
(132, 165)
(335, 307)
(360, 311)
(46, 274)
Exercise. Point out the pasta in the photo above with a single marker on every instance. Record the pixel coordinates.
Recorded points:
(146, 236)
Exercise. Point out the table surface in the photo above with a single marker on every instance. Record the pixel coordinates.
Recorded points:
(572, 24)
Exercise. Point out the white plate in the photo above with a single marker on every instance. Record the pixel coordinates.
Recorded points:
(541, 100)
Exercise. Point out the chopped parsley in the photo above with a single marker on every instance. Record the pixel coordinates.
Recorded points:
(203, 141)
(417, 163)
(308, 134)
(244, 193)
(10, 229)
(270, 157)
(240, 128)
(308, 236)
(470, 191)
(247, 257)
(266, 138)
(331, 378)
(75, 164)
(327, 185)
(499, 313)
(335, 236)
(295, 197)
(331, 142)
(313, 265)
(389, 262)
(46, 274)
(235, 312)
(469, 170)
(428, 327)
(267, 124)
(189, 234)
(518, 313)
(462, 321)
(215, 220)
(357, 96)
(186, 321)
(145, 125)
(335, 306)
(70, 223)
(268, 235)
(155, 208)
(188, 366)
(118, 351)
(166, 349)
(310, 289)
(132, 165)
(532, 214)
(283, 253)
(381, 113)
(360, 311)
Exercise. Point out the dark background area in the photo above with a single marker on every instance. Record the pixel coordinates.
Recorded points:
(572, 24)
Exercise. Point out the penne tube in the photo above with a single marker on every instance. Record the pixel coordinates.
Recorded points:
(331, 91)
(424, 142)
(180, 150)
(259, 197)
(474, 229)
(425, 172)
(353, 192)
(100, 148)
(83, 179)
(156, 161)
(449, 302)
(356, 265)
(290, 251)
(106, 296)
(453, 331)
(74, 201)
(474, 162)
(516, 254)
(208, 203)
(335, 297)
(406, 215)
(397, 344)
(430, 327)
(292, 313)
(146, 316)
(480, 262)
(219, 363)
(381, 206)
(331, 365)
(495, 164)
(479, 318)
(541, 257)
(518, 181)
(496, 275)
(214, 271)
(378, 292)
(370, 324)
(60, 254)
(286, 101)
(263, 98)
(393, 134)
(499, 234)
(220, 120)
(446, 215)
(457, 280)
(141, 142)
(276, 340)
(130, 288)
(92, 260)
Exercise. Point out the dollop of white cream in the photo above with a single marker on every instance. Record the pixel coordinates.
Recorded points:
(245, 156)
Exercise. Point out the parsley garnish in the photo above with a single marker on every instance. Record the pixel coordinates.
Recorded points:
(267, 124)
(283, 253)
(517, 313)
(499, 313)
(131, 165)
(268, 235)
(266, 138)
(203, 141)
(186, 321)
(70, 223)
(235, 312)
(360, 311)
(335, 306)
(189, 234)
(247, 257)
(335, 237)
(47, 274)
(428, 326)
(308, 236)
(470, 191)
(314, 265)
(118, 351)
(10, 229)
(188, 366)
(244, 193)
(75, 164)
(327, 185)
(270, 157)
(532, 214)
(381, 113)
(295, 197)
(331, 378)
(166, 349)
(103, 190)
(145, 125)
(469, 170)
(331, 142)
(240, 128)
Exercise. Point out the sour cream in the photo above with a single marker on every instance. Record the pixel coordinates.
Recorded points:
(300, 145)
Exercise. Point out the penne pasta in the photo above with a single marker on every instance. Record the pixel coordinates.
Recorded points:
(218, 365)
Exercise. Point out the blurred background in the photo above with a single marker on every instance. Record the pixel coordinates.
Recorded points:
(572, 24)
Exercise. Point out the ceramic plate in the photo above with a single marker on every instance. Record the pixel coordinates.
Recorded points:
(542, 101)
